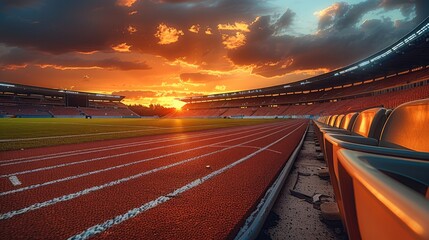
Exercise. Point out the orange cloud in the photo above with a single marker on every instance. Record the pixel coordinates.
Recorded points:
(88, 53)
(329, 11)
(167, 35)
(131, 29)
(59, 67)
(14, 66)
(194, 28)
(237, 26)
(125, 3)
(123, 47)
(208, 31)
(235, 41)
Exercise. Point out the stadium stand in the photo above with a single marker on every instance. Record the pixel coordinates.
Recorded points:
(389, 92)
(24, 101)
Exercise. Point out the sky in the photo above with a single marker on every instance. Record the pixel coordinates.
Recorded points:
(156, 51)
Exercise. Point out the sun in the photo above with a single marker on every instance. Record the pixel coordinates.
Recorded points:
(177, 104)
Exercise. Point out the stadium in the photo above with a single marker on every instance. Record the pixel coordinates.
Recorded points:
(341, 155)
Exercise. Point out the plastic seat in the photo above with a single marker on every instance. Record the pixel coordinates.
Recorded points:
(407, 127)
(348, 121)
(410, 119)
(338, 121)
(332, 120)
(384, 197)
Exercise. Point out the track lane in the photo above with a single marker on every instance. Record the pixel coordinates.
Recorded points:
(108, 162)
(213, 210)
(170, 177)
(21, 198)
(17, 155)
(84, 148)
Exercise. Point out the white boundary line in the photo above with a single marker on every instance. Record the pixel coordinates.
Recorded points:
(254, 147)
(116, 146)
(103, 133)
(255, 221)
(118, 166)
(99, 228)
(86, 191)
(118, 155)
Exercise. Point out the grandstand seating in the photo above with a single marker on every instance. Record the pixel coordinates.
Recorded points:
(383, 170)
(41, 104)
(388, 92)
(58, 111)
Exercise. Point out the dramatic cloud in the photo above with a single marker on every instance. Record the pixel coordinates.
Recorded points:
(192, 45)
(18, 58)
(234, 41)
(341, 39)
(284, 21)
(194, 28)
(198, 77)
(167, 35)
(238, 26)
(123, 47)
(126, 3)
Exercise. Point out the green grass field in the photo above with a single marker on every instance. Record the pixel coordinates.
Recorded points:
(21, 133)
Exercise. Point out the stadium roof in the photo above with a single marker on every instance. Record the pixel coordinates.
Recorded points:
(410, 52)
(26, 89)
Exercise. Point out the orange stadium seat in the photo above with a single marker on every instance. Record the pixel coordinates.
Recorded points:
(404, 135)
(384, 197)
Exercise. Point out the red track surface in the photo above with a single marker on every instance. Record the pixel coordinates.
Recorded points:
(212, 209)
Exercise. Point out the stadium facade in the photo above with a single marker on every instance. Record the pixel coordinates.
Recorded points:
(29, 101)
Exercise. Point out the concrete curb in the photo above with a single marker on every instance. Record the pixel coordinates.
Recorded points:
(256, 220)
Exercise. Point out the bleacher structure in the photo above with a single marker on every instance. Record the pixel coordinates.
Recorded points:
(395, 75)
(23, 101)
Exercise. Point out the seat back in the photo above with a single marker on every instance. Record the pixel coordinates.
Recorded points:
(369, 123)
(379, 199)
(348, 121)
(339, 120)
(332, 120)
(408, 127)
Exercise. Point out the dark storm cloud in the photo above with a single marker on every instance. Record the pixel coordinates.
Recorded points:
(58, 28)
(15, 3)
(341, 39)
(20, 57)
(64, 26)
(285, 20)
(345, 15)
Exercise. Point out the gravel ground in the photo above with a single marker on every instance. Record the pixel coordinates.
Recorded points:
(294, 218)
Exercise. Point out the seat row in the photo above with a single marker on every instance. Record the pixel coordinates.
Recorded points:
(378, 162)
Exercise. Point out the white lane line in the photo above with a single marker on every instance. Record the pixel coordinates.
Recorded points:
(115, 155)
(254, 147)
(14, 180)
(117, 167)
(95, 124)
(71, 196)
(99, 228)
(96, 134)
(122, 145)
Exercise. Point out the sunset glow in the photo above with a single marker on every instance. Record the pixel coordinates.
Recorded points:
(154, 52)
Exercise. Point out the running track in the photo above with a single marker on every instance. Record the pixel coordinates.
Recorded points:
(195, 185)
